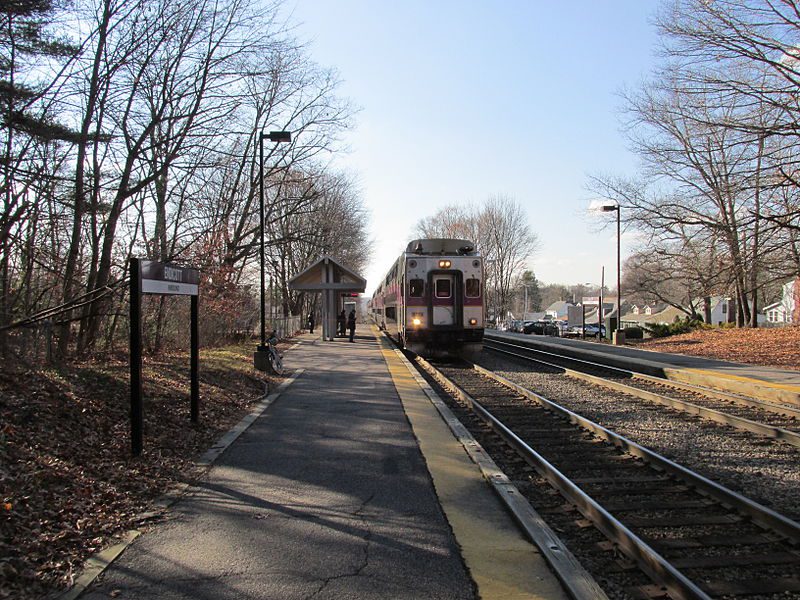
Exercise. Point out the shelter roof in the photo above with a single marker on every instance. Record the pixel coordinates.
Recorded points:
(327, 274)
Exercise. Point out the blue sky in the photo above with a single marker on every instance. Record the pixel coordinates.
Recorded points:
(463, 100)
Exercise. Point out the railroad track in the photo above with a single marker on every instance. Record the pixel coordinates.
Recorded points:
(770, 420)
(690, 536)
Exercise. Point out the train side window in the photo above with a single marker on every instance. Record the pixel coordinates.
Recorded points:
(416, 288)
(442, 288)
(473, 287)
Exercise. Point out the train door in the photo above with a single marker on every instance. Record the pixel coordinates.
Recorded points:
(443, 299)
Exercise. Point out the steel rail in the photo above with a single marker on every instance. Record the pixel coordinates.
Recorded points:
(576, 580)
(651, 562)
(756, 511)
(779, 409)
(770, 431)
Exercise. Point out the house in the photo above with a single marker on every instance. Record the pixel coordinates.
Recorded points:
(723, 310)
(652, 314)
(559, 310)
(787, 309)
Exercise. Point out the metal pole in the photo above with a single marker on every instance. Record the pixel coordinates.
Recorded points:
(137, 411)
(195, 362)
(619, 288)
(525, 309)
(600, 303)
(583, 320)
(261, 227)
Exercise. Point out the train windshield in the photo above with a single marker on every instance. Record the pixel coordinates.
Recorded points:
(442, 288)
(473, 287)
(416, 288)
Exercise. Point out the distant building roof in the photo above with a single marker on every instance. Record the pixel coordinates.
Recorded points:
(665, 316)
(560, 307)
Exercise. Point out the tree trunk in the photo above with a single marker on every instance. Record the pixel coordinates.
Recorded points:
(70, 285)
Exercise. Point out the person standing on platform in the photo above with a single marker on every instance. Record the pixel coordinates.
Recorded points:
(310, 322)
(351, 325)
(340, 322)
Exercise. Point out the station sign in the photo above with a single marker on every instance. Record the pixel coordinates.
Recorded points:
(151, 277)
(164, 278)
(590, 301)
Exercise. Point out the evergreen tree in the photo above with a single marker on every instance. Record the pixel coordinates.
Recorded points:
(24, 42)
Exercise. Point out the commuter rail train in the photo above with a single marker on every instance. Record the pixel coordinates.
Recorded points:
(432, 298)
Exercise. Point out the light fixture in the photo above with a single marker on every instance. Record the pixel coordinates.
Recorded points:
(277, 137)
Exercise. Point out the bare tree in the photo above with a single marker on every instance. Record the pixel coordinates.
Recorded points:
(501, 232)
(168, 100)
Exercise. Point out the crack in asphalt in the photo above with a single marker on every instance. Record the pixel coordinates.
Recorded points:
(365, 551)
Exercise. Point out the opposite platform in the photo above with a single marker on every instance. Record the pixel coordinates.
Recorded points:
(760, 382)
(325, 495)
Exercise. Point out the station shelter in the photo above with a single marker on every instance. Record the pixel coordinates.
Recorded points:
(336, 282)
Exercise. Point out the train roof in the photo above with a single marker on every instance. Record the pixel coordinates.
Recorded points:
(442, 246)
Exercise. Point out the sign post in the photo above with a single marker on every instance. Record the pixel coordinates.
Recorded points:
(150, 277)
(589, 301)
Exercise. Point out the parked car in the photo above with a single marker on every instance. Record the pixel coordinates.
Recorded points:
(541, 328)
(590, 330)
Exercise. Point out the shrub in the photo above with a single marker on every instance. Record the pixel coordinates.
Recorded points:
(658, 330)
(633, 333)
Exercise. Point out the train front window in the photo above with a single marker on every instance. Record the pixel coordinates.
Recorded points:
(416, 287)
(442, 288)
(473, 287)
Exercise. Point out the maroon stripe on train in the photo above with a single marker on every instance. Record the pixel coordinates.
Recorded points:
(443, 301)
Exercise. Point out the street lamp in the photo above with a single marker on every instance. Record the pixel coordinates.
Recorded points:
(619, 337)
(277, 137)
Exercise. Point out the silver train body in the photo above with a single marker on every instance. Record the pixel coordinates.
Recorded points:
(432, 298)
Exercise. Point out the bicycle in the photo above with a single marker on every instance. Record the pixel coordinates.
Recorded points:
(273, 357)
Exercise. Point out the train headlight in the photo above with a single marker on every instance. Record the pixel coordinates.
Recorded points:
(416, 321)
(444, 264)
(473, 321)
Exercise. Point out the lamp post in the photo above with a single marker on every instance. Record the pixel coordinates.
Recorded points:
(525, 308)
(619, 338)
(277, 137)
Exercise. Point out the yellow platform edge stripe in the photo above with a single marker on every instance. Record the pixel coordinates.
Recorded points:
(503, 564)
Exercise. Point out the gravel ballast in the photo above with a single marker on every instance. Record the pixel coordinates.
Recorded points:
(762, 470)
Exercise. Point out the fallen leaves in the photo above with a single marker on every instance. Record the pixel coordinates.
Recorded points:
(774, 347)
(68, 485)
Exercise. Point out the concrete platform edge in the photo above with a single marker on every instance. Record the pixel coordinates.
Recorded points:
(578, 583)
(757, 388)
(770, 392)
(97, 564)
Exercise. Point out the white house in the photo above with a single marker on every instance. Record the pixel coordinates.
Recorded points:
(722, 310)
(786, 309)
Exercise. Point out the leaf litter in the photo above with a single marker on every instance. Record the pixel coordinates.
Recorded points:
(68, 484)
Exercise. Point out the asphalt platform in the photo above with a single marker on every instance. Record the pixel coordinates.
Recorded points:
(770, 384)
(348, 485)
